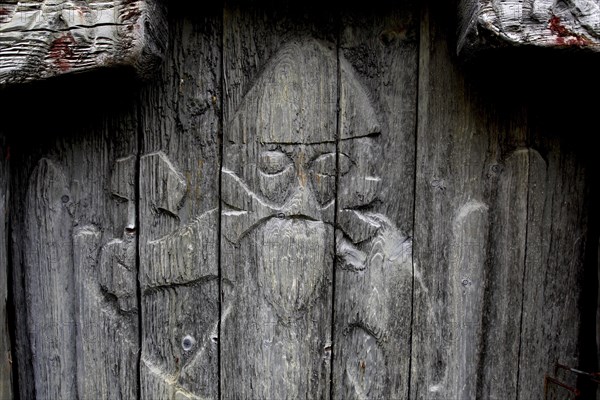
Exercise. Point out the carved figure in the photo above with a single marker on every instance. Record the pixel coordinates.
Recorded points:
(284, 164)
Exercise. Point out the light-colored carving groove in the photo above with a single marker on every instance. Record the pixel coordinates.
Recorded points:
(169, 186)
(118, 273)
(365, 368)
(185, 256)
(101, 325)
(468, 255)
(282, 216)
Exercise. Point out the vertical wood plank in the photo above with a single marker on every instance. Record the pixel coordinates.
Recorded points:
(374, 275)
(179, 201)
(6, 378)
(453, 159)
(554, 286)
(50, 281)
(278, 193)
(529, 169)
(470, 233)
(503, 304)
(468, 254)
(71, 248)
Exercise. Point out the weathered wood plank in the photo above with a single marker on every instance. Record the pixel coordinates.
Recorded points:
(40, 39)
(374, 275)
(504, 280)
(179, 203)
(450, 161)
(558, 230)
(463, 139)
(486, 24)
(6, 381)
(278, 193)
(468, 254)
(514, 159)
(72, 248)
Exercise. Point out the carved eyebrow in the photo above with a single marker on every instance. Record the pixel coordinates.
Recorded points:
(299, 143)
(368, 135)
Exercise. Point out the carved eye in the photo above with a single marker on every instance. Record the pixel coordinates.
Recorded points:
(273, 162)
(326, 164)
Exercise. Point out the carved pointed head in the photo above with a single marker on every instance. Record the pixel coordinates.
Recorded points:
(287, 146)
(283, 139)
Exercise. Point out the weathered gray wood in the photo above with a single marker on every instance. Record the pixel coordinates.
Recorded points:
(468, 254)
(504, 281)
(500, 230)
(49, 281)
(41, 38)
(72, 248)
(557, 230)
(457, 159)
(491, 293)
(278, 193)
(486, 24)
(179, 203)
(5, 321)
(374, 275)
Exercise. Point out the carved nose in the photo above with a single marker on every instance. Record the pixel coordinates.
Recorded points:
(304, 203)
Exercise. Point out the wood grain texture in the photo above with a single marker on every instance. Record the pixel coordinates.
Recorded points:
(179, 203)
(374, 276)
(511, 256)
(505, 279)
(468, 254)
(458, 161)
(76, 329)
(278, 193)
(339, 248)
(40, 39)
(50, 281)
(485, 24)
(555, 295)
(6, 376)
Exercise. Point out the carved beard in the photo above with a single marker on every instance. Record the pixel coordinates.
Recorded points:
(291, 264)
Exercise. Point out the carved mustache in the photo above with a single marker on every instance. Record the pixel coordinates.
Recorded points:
(248, 211)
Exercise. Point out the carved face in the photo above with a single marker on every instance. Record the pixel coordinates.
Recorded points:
(285, 160)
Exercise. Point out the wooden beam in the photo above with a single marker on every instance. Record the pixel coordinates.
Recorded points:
(41, 39)
(487, 24)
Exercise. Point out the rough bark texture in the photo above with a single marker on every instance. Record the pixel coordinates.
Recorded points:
(485, 24)
(43, 38)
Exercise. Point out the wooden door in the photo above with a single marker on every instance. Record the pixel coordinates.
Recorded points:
(304, 202)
